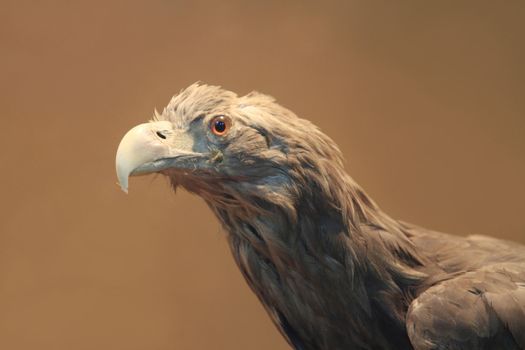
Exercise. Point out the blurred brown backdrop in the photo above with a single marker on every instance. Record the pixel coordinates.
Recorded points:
(426, 100)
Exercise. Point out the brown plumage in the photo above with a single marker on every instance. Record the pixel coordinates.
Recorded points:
(332, 270)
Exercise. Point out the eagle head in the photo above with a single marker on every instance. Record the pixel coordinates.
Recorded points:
(228, 149)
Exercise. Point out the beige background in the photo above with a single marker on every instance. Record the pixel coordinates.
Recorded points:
(425, 99)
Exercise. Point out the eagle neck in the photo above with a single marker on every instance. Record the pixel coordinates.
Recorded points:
(325, 256)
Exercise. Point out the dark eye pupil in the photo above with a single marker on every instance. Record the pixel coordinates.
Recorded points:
(220, 126)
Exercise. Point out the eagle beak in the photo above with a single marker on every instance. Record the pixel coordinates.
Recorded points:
(149, 148)
(141, 145)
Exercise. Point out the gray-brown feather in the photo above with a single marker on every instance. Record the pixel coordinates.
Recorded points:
(481, 304)
(333, 270)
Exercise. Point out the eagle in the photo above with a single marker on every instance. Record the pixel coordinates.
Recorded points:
(332, 270)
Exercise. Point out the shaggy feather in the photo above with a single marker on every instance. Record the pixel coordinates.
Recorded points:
(332, 269)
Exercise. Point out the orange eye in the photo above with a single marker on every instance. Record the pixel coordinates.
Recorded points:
(220, 125)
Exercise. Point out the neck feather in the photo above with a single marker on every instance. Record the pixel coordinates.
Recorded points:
(318, 247)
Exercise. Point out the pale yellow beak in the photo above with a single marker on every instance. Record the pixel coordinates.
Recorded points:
(142, 145)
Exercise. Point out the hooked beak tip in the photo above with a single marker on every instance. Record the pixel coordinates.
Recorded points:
(123, 179)
(123, 184)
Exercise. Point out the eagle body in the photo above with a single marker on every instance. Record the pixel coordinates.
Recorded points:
(332, 270)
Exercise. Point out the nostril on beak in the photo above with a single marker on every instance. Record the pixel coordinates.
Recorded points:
(161, 135)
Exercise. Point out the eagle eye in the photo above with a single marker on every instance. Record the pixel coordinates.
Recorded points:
(220, 125)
